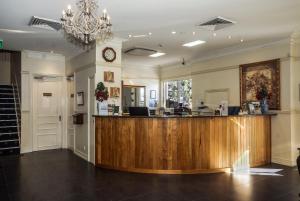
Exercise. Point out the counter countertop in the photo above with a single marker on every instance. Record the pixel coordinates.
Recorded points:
(184, 116)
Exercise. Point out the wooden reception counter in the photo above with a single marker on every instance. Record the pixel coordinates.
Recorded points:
(182, 145)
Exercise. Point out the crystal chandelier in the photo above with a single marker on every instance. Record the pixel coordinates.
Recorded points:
(85, 25)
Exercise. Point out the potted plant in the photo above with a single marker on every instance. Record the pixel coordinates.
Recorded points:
(101, 94)
(262, 94)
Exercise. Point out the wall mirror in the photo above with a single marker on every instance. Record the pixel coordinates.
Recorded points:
(133, 96)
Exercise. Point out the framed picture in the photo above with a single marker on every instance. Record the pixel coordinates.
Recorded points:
(80, 98)
(109, 76)
(114, 92)
(255, 75)
(152, 94)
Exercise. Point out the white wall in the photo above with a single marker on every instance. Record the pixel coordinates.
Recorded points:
(81, 131)
(38, 63)
(5, 68)
(88, 69)
(222, 72)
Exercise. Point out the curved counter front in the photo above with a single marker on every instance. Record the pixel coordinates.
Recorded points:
(182, 145)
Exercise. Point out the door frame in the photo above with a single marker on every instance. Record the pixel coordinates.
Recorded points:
(35, 82)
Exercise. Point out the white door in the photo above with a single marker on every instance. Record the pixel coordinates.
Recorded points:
(47, 114)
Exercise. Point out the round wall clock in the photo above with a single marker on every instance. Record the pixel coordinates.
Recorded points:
(109, 54)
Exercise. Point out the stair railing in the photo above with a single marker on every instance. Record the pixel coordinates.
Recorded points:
(17, 98)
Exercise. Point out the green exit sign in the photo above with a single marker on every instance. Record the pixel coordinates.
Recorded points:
(1, 44)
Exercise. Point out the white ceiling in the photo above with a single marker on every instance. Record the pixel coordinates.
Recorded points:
(258, 21)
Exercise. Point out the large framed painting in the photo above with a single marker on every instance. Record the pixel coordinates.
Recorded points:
(255, 75)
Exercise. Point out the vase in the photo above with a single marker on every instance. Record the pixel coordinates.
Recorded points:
(102, 108)
(264, 107)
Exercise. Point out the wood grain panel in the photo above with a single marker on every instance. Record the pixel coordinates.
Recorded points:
(182, 145)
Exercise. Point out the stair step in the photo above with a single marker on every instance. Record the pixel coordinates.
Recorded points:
(9, 136)
(9, 143)
(7, 100)
(15, 151)
(15, 140)
(9, 148)
(8, 123)
(5, 86)
(6, 96)
(9, 129)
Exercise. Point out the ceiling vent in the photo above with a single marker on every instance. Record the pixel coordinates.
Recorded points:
(216, 24)
(44, 23)
(138, 51)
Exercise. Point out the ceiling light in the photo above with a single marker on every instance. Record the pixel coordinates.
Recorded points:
(173, 32)
(229, 37)
(158, 54)
(15, 31)
(150, 33)
(85, 25)
(242, 40)
(194, 43)
(129, 36)
(139, 36)
(215, 34)
(194, 33)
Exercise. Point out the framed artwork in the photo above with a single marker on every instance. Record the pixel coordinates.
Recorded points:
(114, 92)
(109, 76)
(152, 94)
(255, 75)
(80, 98)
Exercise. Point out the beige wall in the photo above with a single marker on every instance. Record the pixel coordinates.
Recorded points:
(222, 72)
(143, 76)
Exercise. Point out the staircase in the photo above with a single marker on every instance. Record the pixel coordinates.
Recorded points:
(9, 120)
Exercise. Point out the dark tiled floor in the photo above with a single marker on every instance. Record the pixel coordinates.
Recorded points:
(61, 176)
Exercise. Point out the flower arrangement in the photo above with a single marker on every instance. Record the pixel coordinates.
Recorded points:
(262, 93)
(101, 92)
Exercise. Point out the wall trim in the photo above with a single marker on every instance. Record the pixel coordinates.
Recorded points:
(213, 70)
(283, 161)
(139, 78)
(81, 154)
(87, 66)
(229, 51)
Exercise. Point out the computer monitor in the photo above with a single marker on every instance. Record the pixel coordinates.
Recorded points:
(139, 111)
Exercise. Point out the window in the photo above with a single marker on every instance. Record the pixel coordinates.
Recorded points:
(178, 92)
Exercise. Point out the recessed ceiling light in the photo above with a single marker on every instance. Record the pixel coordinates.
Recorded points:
(194, 33)
(150, 33)
(158, 54)
(139, 36)
(242, 40)
(173, 32)
(194, 43)
(214, 34)
(15, 31)
(129, 36)
(229, 37)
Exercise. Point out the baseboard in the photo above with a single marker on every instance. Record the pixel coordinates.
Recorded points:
(81, 155)
(283, 161)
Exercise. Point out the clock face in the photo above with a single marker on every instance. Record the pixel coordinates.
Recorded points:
(109, 54)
